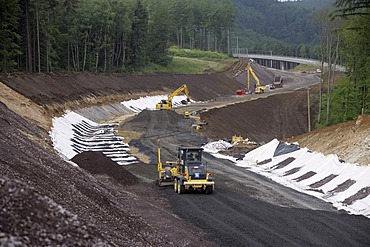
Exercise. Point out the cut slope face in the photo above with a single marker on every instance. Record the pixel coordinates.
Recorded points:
(277, 116)
(58, 91)
(350, 140)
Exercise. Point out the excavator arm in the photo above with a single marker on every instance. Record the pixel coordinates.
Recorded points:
(167, 104)
(259, 88)
(183, 88)
(250, 71)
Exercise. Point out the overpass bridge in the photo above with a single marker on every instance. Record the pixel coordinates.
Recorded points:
(277, 62)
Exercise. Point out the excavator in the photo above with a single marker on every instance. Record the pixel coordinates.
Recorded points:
(166, 104)
(258, 88)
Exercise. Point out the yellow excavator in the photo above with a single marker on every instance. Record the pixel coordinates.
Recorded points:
(258, 88)
(166, 104)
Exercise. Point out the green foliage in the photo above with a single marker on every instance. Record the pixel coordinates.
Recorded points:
(109, 35)
(138, 38)
(184, 65)
(9, 48)
(351, 97)
(205, 55)
(285, 28)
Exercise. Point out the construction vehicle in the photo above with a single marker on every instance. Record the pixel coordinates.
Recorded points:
(167, 172)
(278, 81)
(186, 114)
(166, 104)
(199, 125)
(187, 173)
(258, 87)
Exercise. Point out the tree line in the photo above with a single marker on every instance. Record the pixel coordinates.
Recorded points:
(345, 37)
(108, 35)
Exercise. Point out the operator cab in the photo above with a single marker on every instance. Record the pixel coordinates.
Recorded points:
(191, 157)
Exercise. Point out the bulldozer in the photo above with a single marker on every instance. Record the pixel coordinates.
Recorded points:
(166, 104)
(188, 173)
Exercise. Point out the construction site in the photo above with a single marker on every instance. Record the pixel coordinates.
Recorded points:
(103, 160)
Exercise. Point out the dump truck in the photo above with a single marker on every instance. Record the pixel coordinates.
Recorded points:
(278, 81)
(166, 104)
(187, 173)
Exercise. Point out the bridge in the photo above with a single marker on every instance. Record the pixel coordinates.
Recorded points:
(277, 62)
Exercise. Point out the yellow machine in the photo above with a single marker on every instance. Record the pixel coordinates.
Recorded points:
(258, 89)
(165, 173)
(187, 173)
(166, 104)
(187, 114)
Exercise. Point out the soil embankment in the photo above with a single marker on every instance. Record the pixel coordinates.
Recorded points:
(58, 92)
(261, 120)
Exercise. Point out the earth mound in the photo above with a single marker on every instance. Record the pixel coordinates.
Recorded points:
(261, 120)
(157, 119)
(98, 163)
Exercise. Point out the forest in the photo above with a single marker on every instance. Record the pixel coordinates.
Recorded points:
(345, 38)
(283, 28)
(108, 35)
(121, 36)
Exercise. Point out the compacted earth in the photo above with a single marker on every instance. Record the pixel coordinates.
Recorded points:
(91, 201)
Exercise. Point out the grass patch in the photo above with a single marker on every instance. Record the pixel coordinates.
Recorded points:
(305, 67)
(186, 65)
(200, 54)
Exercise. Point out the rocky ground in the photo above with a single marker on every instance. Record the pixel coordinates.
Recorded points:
(48, 201)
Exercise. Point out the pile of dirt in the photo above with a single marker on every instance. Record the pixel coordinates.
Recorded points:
(159, 120)
(99, 163)
(153, 128)
(261, 120)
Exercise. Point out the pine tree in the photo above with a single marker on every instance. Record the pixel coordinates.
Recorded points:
(139, 27)
(9, 48)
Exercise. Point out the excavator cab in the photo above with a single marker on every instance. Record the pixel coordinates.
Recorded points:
(259, 89)
(164, 105)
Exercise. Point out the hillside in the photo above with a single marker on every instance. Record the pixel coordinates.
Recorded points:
(350, 140)
(281, 27)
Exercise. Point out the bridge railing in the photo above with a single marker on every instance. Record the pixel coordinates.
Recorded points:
(243, 52)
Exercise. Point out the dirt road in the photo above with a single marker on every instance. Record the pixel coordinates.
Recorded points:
(245, 209)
